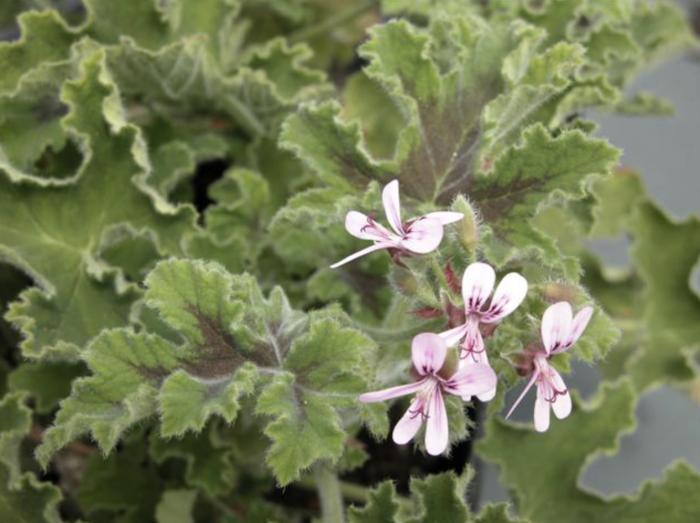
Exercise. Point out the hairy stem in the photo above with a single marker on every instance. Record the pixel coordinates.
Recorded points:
(476, 484)
(329, 493)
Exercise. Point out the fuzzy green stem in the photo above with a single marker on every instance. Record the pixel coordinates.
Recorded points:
(439, 273)
(333, 21)
(442, 279)
(329, 493)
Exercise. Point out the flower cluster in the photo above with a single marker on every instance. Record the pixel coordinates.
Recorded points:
(470, 374)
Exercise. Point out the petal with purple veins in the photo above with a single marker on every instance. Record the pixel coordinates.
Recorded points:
(556, 326)
(477, 284)
(509, 294)
(471, 380)
(428, 351)
(365, 228)
(410, 423)
(422, 236)
(562, 403)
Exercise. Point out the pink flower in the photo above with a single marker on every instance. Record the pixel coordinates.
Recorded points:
(477, 283)
(429, 352)
(419, 235)
(560, 330)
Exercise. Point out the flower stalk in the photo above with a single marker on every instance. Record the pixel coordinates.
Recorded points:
(329, 494)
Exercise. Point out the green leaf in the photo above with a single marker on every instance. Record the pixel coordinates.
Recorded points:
(55, 242)
(657, 308)
(125, 484)
(441, 79)
(381, 122)
(207, 466)
(308, 234)
(620, 36)
(315, 214)
(645, 104)
(15, 423)
(330, 146)
(672, 308)
(30, 501)
(442, 498)
(236, 226)
(233, 340)
(440, 104)
(175, 506)
(45, 39)
(617, 198)
(551, 492)
(47, 382)
(187, 80)
(496, 513)
(535, 85)
(437, 497)
(539, 171)
(381, 506)
(320, 376)
(33, 143)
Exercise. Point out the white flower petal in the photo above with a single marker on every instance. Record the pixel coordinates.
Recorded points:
(445, 217)
(359, 254)
(428, 351)
(509, 294)
(437, 431)
(487, 396)
(423, 236)
(454, 336)
(556, 325)
(408, 425)
(391, 392)
(529, 385)
(542, 407)
(470, 380)
(477, 284)
(562, 403)
(392, 206)
(363, 227)
(579, 324)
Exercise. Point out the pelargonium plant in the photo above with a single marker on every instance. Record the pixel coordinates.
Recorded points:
(296, 260)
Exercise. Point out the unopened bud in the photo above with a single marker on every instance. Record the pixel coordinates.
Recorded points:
(555, 291)
(467, 227)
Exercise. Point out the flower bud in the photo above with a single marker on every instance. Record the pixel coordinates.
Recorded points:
(467, 228)
(556, 291)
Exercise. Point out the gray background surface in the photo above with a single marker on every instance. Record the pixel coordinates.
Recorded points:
(666, 150)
